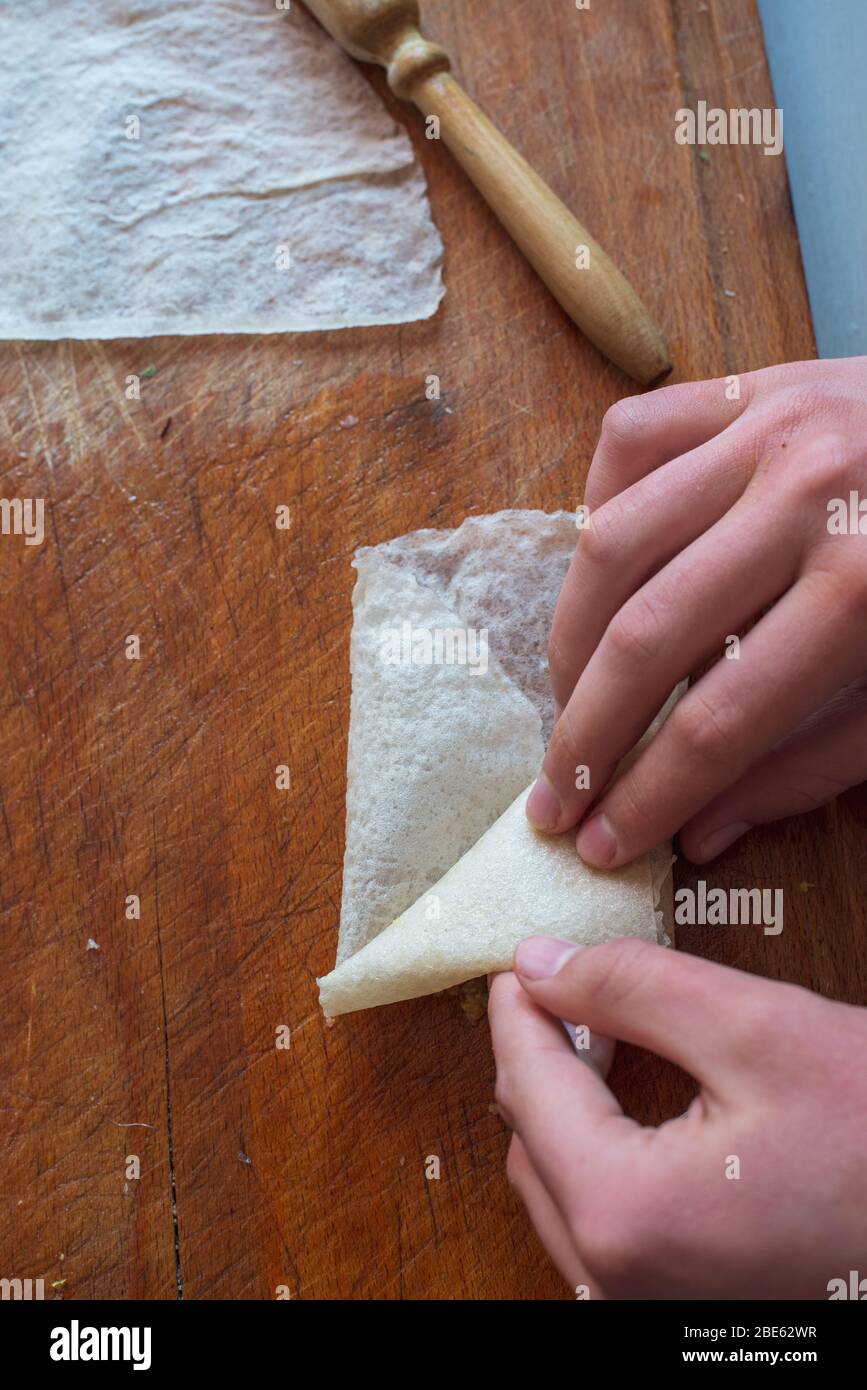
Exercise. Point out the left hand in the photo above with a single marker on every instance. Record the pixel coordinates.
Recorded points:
(758, 1191)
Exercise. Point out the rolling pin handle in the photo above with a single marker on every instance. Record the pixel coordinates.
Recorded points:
(600, 300)
(413, 61)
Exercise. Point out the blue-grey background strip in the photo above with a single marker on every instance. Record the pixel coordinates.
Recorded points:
(817, 50)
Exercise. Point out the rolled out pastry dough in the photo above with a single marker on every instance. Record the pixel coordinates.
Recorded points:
(175, 167)
(443, 875)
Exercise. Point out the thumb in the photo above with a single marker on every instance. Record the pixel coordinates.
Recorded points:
(685, 1009)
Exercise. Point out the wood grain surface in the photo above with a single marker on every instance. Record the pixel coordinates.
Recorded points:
(304, 1168)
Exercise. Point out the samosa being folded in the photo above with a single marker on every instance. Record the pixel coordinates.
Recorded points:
(443, 875)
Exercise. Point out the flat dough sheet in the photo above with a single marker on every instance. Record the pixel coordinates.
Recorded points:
(268, 190)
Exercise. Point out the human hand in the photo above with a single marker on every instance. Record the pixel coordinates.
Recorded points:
(633, 1212)
(703, 513)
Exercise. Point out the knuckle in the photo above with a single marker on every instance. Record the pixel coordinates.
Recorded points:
(601, 539)
(804, 411)
(706, 727)
(828, 402)
(821, 467)
(633, 633)
(624, 420)
(800, 401)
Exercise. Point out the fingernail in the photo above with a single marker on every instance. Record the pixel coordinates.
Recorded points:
(597, 843)
(543, 805)
(540, 957)
(720, 839)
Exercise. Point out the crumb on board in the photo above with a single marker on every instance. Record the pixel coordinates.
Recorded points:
(474, 998)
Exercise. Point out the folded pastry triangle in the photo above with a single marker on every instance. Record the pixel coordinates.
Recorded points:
(514, 882)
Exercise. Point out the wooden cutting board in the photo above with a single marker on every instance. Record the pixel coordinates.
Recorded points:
(304, 1168)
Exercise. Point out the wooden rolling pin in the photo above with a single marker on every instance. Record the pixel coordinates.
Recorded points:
(598, 298)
